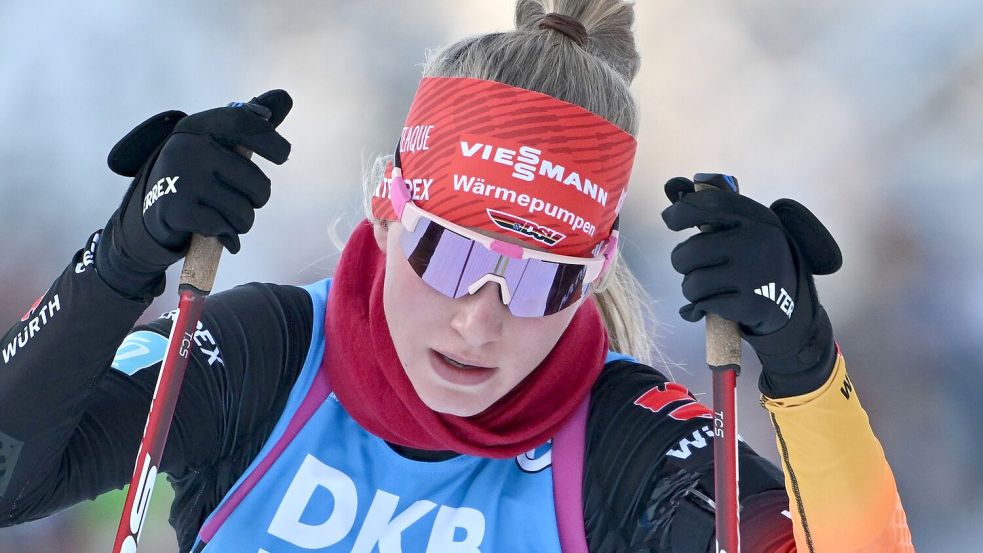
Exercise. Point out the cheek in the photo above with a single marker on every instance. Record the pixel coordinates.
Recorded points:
(412, 307)
(530, 340)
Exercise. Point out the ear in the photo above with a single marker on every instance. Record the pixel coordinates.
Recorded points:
(610, 255)
(381, 231)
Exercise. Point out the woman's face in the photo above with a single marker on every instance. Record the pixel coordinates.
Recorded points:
(435, 335)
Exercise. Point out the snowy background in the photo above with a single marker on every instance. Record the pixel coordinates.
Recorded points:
(869, 112)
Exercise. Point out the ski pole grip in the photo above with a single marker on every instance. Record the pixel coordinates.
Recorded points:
(723, 342)
(201, 263)
(204, 253)
(723, 336)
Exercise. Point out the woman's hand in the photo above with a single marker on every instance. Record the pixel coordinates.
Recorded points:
(188, 179)
(754, 265)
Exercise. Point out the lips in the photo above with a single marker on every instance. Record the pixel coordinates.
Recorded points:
(459, 371)
(462, 362)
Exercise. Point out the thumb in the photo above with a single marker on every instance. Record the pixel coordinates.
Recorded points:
(133, 150)
(278, 102)
(816, 245)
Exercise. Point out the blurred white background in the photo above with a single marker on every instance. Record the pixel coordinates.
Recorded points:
(869, 112)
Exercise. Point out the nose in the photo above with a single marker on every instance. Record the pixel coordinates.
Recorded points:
(479, 317)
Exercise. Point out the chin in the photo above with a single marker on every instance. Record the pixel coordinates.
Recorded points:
(450, 403)
(457, 411)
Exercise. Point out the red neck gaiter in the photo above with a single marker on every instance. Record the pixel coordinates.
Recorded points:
(368, 378)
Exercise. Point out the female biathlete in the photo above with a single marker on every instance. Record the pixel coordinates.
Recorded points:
(472, 378)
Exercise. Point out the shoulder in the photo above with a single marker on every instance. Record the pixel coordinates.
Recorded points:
(261, 297)
(649, 460)
(638, 415)
(252, 307)
(627, 389)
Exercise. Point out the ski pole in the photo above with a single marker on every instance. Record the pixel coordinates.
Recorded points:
(197, 278)
(724, 360)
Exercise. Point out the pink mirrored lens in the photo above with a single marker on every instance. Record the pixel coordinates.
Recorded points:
(450, 263)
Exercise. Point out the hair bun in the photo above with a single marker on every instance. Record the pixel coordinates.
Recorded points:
(566, 25)
(607, 25)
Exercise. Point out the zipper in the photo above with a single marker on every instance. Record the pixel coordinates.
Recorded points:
(795, 484)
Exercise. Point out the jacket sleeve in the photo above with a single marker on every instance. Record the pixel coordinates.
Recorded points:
(842, 491)
(53, 361)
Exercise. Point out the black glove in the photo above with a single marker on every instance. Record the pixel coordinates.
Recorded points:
(188, 179)
(754, 265)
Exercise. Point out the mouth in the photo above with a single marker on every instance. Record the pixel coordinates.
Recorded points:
(456, 372)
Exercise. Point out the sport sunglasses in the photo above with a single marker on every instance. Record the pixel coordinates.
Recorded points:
(456, 261)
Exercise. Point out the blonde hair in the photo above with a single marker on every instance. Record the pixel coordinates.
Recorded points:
(595, 76)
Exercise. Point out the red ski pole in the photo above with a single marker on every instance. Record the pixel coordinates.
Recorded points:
(197, 278)
(724, 360)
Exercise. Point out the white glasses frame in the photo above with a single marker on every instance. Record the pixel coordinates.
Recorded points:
(409, 215)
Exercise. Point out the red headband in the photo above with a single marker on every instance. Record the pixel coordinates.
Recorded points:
(512, 161)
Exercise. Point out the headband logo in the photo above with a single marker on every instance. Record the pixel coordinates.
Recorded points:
(525, 227)
(529, 163)
(415, 138)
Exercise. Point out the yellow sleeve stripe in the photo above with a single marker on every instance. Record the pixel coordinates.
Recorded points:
(842, 492)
